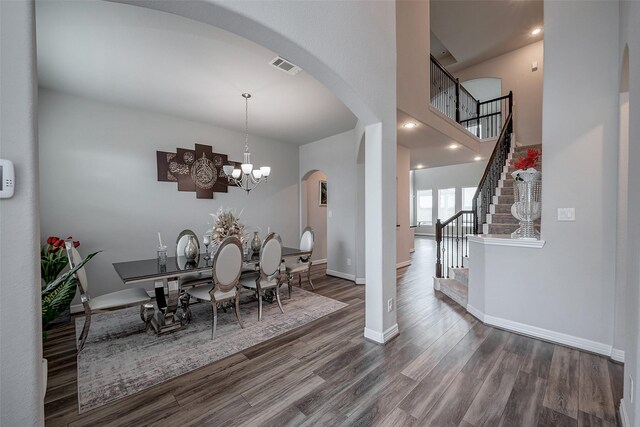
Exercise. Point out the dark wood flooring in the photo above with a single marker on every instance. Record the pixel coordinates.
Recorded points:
(444, 369)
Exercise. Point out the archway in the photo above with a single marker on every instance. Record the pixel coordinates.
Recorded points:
(313, 211)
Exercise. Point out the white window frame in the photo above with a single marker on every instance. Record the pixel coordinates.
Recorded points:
(428, 219)
(451, 209)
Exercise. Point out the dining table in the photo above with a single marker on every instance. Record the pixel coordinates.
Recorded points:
(166, 278)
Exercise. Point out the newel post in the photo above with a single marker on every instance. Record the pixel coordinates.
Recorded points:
(438, 243)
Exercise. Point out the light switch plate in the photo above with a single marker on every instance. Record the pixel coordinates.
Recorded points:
(566, 214)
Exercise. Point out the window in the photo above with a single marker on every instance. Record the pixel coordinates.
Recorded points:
(424, 209)
(467, 197)
(467, 203)
(446, 203)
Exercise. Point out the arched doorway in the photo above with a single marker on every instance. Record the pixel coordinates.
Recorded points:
(313, 211)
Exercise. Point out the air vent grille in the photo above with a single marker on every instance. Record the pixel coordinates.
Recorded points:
(286, 66)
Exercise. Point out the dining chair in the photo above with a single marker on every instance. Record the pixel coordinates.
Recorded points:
(270, 277)
(226, 269)
(302, 264)
(108, 302)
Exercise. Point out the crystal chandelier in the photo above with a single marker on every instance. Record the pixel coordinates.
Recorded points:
(246, 177)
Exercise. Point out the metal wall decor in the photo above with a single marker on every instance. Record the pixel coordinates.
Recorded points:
(198, 170)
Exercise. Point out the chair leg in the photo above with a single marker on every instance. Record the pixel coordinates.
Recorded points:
(309, 277)
(85, 331)
(259, 306)
(238, 310)
(300, 280)
(289, 286)
(278, 299)
(214, 309)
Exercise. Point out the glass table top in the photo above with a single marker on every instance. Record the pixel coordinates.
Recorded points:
(150, 269)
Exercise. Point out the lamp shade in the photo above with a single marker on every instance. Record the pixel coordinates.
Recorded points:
(266, 170)
(236, 173)
(227, 169)
(246, 168)
(257, 173)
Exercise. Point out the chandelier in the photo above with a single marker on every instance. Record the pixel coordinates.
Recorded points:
(246, 177)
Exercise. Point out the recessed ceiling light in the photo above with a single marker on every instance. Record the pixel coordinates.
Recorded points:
(536, 31)
(476, 158)
(453, 146)
(419, 166)
(409, 125)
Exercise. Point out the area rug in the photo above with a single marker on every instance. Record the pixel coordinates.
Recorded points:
(120, 359)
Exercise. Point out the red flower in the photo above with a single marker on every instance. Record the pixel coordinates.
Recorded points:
(51, 240)
(530, 161)
(76, 244)
(58, 243)
(54, 249)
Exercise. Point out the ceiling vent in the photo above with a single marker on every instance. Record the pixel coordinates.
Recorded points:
(286, 66)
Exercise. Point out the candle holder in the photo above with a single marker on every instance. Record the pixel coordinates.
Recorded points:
(206, 240)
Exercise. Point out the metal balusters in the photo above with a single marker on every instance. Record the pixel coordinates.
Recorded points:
(452, 241)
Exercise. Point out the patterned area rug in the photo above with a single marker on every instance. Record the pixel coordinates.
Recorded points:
(120, 359)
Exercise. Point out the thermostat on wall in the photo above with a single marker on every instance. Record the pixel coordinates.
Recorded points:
(7, 178)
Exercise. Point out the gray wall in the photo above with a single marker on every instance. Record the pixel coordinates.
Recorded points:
(514, 68)
(316, 215)
(404, 241)
(336, 157)
(20, 312)
(630, 36)
(458, 176)
(99, 182)
(567, 287)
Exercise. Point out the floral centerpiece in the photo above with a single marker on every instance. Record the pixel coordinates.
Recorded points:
(57, 290)
(226, 223)
(526, 166)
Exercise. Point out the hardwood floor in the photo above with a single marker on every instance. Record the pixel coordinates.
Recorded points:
(444, 369)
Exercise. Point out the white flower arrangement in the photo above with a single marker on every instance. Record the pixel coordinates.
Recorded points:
(226, 223)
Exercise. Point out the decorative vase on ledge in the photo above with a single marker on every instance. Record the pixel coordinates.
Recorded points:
(527, 206)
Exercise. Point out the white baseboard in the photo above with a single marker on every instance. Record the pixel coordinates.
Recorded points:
(436, 284)
(320, 261)
(346, 276)
(544, 334)
(425, 234)
(617, 355)
(383, 337)
(624, 418)
(360, 281)
(403, 264)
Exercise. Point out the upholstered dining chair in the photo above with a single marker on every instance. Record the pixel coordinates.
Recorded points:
(302, 264)
(270, 276)
(114, 301)
(226, 269)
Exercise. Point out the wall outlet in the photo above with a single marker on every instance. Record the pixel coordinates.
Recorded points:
(348, 261)
(631, 387)
(566, 214)
(390, 305)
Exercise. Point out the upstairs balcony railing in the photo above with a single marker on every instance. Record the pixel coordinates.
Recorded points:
(484, 119)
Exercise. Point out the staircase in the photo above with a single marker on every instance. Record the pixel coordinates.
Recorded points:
(500, 221)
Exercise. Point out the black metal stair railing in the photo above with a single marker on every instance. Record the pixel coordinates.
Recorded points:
(484, 119)
(452, 243)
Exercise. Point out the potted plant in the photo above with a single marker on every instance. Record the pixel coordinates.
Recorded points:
(57, 290)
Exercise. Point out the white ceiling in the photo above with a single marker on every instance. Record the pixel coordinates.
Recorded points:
(429, 147)
(161, 62)
(467, 32)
